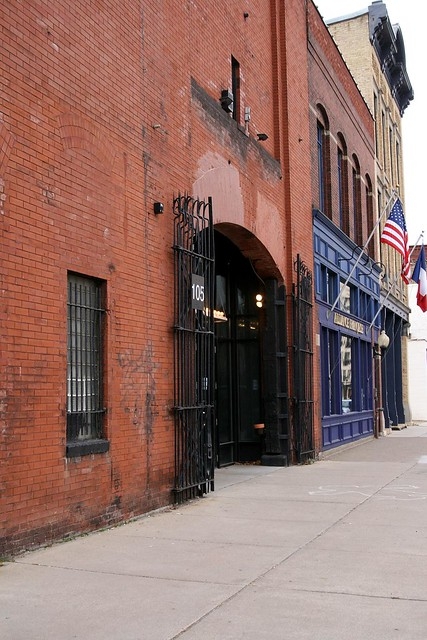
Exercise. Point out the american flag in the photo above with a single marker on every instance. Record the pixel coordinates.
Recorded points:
(396, 235)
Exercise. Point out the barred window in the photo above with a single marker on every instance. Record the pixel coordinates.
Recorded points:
(85, 314)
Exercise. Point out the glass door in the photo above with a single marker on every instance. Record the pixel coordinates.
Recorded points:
(238, 317)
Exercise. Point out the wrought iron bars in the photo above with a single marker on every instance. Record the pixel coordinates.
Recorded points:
(194, 347)
(303, 361)
(84, 359)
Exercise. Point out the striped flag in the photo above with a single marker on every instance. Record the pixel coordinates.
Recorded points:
(395, 234)
(420, 277)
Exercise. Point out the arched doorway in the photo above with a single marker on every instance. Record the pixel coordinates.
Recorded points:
(239, 318)
(224, 303)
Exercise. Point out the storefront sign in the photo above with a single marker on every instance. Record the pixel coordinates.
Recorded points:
(348, 323)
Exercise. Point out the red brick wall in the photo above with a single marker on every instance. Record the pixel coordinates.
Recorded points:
(80, 179)
(106, 108)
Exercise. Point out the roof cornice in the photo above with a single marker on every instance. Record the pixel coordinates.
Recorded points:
(387, 41)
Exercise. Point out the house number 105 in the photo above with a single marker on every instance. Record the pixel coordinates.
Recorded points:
(197, 292)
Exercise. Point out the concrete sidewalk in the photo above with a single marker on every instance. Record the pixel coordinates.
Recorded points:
(335, 550)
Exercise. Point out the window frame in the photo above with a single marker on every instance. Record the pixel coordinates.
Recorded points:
(235, 88)
(343, 185)
(85, 411)
(357, 202)
(321, 164)
(346, 373)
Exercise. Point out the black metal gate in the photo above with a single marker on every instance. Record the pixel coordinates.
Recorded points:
(303, 362)
(194, 347)
(276, 397)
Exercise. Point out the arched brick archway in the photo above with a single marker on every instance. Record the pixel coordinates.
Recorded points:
(250, 331)
(252, 249)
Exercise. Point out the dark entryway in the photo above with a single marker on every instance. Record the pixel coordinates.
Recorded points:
(238, 315)
(231, 354)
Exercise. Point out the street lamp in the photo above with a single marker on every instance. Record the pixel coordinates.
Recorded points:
(382, 343)
(383, 340)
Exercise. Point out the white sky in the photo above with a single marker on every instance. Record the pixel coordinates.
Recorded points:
(411, 15)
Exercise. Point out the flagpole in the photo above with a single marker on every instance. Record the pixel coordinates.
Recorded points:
(390, 200)
(393, 284)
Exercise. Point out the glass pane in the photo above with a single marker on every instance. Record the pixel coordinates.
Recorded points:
(223, 408)
(248, 388)
(221, 311)
(344, 297)
(334, 372)
(346, 397)
(331, 286)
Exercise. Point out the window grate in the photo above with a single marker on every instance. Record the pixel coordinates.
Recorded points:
(85, 314)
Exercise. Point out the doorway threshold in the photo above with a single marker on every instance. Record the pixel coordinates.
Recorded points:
(237, 473)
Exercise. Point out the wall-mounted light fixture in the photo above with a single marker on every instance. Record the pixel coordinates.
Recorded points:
(158, 207)
(262, 137)
(383, 340)
(227, 100)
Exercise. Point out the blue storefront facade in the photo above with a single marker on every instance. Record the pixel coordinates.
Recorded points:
(347, 294)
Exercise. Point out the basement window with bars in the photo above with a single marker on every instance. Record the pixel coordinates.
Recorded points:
(85, 410)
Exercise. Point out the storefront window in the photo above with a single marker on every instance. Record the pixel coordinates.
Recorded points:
(328, 285)
(330, 372)
(345, 297)
(366, 399)
(346, 374)
(346, 378)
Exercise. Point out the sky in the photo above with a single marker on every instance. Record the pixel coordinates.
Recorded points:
(411, 15)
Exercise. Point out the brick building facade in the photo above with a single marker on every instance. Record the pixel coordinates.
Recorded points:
(110, 114)
(374, 51)
(346, 277)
